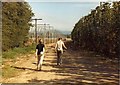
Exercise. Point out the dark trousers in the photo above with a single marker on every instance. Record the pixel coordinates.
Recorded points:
(59, 58)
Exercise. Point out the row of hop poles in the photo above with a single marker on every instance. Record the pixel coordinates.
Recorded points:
(45, 32)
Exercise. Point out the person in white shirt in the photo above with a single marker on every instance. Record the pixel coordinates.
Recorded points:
(59, 48)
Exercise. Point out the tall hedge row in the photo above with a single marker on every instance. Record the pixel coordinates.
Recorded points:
(16, 17)
(100, 30)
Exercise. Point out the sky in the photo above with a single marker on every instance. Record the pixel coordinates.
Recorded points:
(62, 15)
(69, 0)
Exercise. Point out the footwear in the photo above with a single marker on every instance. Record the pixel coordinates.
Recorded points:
(37, 68)
(40, 68)
(58, 64)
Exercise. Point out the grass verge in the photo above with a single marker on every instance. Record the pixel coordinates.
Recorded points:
(10, 57)
(8, 72)
(11, 54)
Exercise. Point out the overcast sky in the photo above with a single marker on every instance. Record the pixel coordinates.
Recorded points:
(62, 14)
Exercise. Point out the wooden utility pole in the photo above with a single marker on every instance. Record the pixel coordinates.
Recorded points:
(49, 35)
(36, 28)
(52, 34)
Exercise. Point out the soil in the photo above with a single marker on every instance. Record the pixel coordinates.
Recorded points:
(78, 67)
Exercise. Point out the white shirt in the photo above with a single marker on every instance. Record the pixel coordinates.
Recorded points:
(59, 45)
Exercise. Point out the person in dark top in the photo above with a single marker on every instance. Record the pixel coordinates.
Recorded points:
(40, 50)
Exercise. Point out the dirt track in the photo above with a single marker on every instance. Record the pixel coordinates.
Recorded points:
(78, 68)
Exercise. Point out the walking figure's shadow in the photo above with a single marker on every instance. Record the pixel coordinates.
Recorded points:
(25, 68)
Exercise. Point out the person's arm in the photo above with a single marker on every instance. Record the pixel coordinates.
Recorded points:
(43, 49)
(64, 45)
(36, 51)
(56, 47)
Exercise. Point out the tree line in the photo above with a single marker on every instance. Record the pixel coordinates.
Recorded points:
(16, 17)
(99, 31)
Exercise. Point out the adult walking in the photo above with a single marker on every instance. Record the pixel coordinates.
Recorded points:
(59, 48)
(40, 50)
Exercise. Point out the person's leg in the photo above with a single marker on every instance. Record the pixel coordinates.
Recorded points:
(58, 57)
(41, 61)
(38, 60)
(59, 60)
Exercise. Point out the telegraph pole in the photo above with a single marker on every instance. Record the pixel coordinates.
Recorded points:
(49, 35)
(36, 28)
(44, 33)
(52, 33)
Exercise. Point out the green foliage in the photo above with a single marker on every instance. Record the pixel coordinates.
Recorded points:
(11, 54)
(16, 19)
(100, 30)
